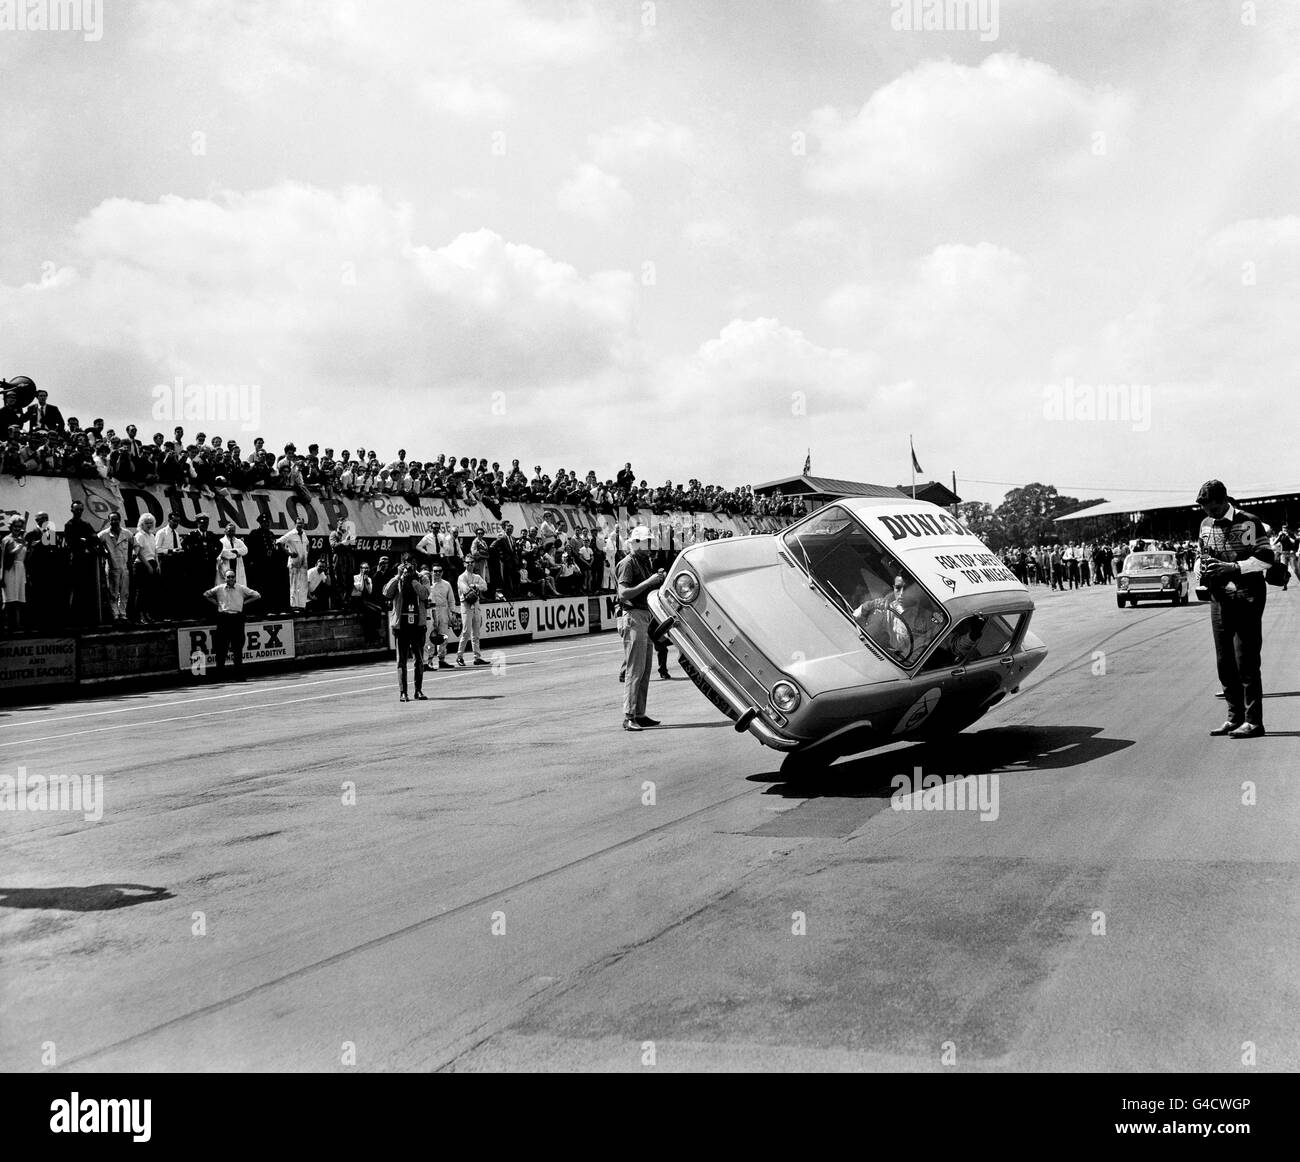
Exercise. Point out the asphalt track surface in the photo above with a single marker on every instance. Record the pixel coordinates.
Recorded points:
(511, 800)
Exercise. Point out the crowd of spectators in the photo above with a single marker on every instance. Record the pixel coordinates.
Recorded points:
(1073, 564)
(39, 441)
(123, 576)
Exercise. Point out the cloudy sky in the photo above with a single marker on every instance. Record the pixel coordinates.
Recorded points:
(704, 236)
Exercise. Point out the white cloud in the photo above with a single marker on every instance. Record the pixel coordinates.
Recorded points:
(317, 295)
(595, 195)
(957, 300)
(642, 142)
(463, 97)
(941, 124)
(463, 52)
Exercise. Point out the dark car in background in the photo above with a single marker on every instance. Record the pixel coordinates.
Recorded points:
(1152, 575)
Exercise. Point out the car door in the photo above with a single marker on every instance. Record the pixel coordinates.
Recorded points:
(963, 673)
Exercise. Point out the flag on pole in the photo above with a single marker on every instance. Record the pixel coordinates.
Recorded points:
(807, 463)
(916, 464)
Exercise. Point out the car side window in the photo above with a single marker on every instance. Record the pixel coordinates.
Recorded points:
(976, 638)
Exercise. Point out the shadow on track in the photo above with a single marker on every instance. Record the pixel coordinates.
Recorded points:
(1005, 749)
(94, 898)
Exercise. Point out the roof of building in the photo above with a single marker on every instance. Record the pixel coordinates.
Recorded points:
(1146, 504)
(828, 486)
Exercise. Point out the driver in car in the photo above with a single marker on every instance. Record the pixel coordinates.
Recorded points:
(902, 617)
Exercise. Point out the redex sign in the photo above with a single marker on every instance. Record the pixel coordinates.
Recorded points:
(264, 641)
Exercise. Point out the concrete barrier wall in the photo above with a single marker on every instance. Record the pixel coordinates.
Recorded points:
(151, 658)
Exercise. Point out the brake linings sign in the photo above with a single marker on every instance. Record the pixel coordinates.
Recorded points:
(940, 550)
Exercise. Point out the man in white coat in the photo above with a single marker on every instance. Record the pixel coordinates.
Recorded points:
(232, 554)
(294, 545)
(441, 598)
(472, 589)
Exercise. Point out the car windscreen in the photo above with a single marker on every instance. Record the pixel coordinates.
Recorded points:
(867, 584)
(1138, 562)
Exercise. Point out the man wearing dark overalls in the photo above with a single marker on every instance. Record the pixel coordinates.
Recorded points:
(1235, 555)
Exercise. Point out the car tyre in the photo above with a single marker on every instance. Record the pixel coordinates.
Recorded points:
(1119, 601)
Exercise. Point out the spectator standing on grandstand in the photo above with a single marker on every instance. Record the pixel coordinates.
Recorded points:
(408, 594)
(13, 584)
(144, 571)
(83, 567)
(294, 546)
(230, 598)
(264, 565)
(231, 556)
(426, 549)
(635, 581)
(449, 551)
(441, 598)
(471, 588)
(117, 545)
(171, 566)
(503, 563)
(42, 573)
(478, 552)
(201, 549)
(43, 416)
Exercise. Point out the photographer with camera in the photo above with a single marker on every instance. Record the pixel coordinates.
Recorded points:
(635, 581)
(408, 595)
(472, 588)
(1235, 556)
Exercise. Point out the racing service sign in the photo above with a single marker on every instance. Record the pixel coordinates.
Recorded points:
(556, 617)
(264, 641)
(37, 662)
(505, 619)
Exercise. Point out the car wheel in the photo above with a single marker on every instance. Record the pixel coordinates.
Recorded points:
(1119, 601)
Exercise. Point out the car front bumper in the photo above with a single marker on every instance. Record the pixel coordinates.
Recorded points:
(749, 716)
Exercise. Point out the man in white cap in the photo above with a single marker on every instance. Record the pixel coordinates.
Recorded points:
(635, 580)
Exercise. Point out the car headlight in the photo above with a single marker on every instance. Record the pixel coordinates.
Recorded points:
(687, 586)
(1123, 582)
(1166, 581)
(785, 697)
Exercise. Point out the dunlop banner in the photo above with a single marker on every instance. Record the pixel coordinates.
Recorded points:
(378, 517)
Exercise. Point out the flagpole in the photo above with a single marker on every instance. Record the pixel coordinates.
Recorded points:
(912, 448)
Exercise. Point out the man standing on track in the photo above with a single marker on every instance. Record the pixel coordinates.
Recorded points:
(635, 581)
(1286, 546)
(472, 589)
(408, 594)
(1235, 555)
(230, 599)
(441, 598)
